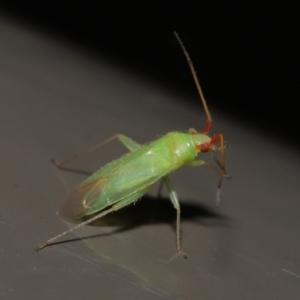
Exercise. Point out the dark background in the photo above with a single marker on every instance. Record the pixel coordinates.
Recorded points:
(245, 52)
(73, 74)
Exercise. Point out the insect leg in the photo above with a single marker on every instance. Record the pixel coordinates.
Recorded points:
(160, 187)
(126, 201)
(221, 172)
(130, 144)
(50, 241)
(174, 199)
(198, 163)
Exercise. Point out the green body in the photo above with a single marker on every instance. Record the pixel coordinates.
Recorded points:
(126, 179)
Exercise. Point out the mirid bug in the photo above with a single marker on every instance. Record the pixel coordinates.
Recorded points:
(128, 178)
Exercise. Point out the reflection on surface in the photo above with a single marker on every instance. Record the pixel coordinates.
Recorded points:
(139, 239)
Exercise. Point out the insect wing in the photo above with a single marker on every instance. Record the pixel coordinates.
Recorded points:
(132, 173)
(76, 205)
(117, 180)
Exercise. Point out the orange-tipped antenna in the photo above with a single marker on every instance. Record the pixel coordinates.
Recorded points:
(208, 115)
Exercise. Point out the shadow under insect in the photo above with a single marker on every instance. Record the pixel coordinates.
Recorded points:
(152, 210)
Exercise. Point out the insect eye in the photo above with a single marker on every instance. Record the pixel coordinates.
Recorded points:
(203, 147)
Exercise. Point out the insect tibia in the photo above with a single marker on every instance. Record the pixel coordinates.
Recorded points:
(182, 253)
(218, 197)
(40, 247)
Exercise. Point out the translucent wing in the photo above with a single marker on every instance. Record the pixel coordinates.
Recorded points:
(74, 206)
(117, 180)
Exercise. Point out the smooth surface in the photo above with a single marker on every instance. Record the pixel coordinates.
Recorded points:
(56, 100)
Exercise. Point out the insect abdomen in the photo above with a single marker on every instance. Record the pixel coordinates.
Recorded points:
(143, 167)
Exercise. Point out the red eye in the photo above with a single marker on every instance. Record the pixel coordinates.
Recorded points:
(203, 147)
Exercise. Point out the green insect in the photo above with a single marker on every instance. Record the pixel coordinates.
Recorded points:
(128, 178)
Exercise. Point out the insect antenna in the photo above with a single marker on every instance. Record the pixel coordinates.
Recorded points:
(217, 138)
(190, 63)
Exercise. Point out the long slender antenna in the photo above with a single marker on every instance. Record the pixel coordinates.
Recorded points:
(208, 115)
(217, 138)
